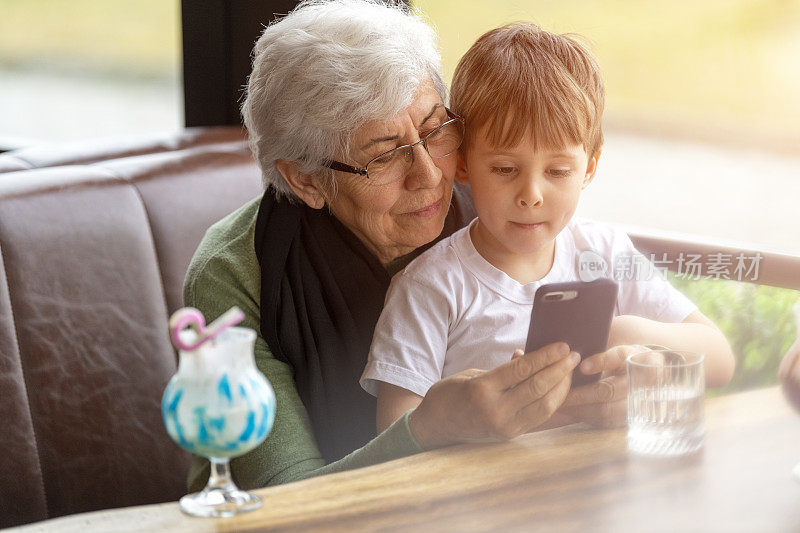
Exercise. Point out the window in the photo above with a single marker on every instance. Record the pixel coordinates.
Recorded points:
(88, 68)
(701, 136)
(701, 115)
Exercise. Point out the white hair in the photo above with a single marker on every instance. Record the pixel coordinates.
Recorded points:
(324, 70)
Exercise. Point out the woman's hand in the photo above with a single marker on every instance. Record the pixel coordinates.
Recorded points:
(499, 404)
(603, 403)
(789, 373)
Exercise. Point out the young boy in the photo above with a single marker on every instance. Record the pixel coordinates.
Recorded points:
(532, 103)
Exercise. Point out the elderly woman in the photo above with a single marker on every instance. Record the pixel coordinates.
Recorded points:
(346, 114)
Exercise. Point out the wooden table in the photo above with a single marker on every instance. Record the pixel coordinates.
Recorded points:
(567, 479)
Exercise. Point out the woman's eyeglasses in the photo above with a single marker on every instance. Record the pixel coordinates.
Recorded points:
(393, 165)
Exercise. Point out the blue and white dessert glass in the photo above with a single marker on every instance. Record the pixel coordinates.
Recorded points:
(218, 405)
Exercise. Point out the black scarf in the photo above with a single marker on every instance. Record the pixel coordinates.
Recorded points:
(322, 292)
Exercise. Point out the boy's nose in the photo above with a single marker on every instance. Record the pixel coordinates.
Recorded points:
(530, 196)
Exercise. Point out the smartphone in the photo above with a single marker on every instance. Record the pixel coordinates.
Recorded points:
(576, 312)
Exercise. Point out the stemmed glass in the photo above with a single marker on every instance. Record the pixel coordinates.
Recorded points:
(218, 405)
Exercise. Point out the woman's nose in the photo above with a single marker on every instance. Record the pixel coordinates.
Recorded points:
(423, 173)
(530, 195)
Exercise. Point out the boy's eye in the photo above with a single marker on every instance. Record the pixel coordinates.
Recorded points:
(559, 172)
(503, 171)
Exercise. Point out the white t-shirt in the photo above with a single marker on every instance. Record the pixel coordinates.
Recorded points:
(451, 310)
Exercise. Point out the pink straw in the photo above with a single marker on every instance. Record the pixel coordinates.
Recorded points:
(194, 319)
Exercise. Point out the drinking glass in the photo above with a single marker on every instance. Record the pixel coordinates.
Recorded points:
(218, 405)
(666, 393)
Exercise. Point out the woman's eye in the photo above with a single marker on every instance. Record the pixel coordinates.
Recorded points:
(384, 159)
(559, 172)
(432, 135)
(503, 171)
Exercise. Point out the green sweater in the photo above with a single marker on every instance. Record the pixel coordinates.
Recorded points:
(224, 272)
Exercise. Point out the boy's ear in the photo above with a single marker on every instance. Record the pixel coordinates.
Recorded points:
(305, 186)
(591, 169)
(461, 169)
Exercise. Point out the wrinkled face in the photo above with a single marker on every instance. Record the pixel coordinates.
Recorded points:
(524, 197)
(394, 219)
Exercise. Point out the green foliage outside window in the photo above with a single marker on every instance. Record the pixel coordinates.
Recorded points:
(757, 320)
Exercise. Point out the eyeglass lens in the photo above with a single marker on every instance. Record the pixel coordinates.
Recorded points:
(394, 164)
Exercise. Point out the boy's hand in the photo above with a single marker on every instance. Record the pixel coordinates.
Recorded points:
(626, 329)
(603, 403)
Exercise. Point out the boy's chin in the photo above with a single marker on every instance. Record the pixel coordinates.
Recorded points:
(531, 247)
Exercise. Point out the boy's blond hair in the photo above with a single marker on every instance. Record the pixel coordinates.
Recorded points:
(519, 80)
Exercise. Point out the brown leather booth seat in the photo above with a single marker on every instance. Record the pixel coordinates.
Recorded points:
(95, 239)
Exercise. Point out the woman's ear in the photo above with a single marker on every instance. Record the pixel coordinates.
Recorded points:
(591, 169)
(461, 169)
(305, 186)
